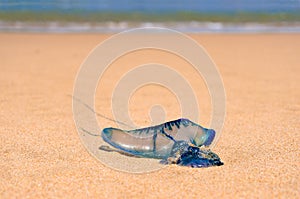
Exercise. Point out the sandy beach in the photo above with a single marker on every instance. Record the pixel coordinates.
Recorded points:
(41, 154)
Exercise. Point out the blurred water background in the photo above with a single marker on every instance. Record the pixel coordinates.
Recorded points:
(118, 15)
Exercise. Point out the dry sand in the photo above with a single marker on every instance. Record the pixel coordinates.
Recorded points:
(41, 154)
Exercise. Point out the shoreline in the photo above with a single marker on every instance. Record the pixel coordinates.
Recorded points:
(113, 27)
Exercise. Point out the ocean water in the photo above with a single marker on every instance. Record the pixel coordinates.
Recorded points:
(117, 15)
(153, 5)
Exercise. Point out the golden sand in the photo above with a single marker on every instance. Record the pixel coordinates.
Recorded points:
(41, 154)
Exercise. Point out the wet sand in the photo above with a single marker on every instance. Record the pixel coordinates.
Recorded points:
(41, 154)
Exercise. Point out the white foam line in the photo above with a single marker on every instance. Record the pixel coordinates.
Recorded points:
(108, 27)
